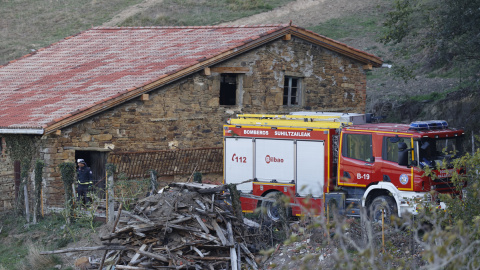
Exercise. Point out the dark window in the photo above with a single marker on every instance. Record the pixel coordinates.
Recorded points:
(228, 89)
(357, 146)
(390, 150)
(291, 91)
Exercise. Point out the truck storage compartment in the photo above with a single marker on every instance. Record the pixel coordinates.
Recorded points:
(274, 160)
(310, 168)
(239, 162)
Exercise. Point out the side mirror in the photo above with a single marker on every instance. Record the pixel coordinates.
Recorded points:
(425, 145)
(394, 139)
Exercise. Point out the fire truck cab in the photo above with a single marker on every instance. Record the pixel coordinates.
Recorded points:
(339, 160)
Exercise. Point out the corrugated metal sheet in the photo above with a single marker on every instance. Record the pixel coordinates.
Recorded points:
(168, 162)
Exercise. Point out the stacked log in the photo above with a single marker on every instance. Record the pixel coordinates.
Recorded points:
(186, 226)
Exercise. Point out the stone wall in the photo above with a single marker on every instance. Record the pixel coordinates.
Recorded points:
(187, 114)
(7, 182)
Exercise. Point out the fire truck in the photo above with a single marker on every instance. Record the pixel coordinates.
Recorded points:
(339, 160)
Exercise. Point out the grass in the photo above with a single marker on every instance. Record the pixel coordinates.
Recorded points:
(17, 250)
(29, 25)
(198, 12)
(353, 26)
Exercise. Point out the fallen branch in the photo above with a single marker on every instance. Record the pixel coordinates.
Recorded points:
(84, 249)
(153, 255)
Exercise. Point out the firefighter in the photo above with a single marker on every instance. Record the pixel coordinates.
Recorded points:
(84, 182)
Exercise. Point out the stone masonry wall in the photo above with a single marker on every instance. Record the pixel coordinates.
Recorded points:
(7, 182)
(186, 114)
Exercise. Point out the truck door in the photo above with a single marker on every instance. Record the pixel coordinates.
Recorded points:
(356, 160)
(310, 168)
(239, 162)
(274, 160)
(400, 176)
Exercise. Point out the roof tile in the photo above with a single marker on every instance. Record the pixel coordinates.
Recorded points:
(97, 65)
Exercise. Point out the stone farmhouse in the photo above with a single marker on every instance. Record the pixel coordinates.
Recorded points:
(109, 90)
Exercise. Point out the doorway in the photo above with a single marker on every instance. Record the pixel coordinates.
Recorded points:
(97, 161)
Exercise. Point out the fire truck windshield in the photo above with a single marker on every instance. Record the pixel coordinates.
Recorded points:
(433, 152)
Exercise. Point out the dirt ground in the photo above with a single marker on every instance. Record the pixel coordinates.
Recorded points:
(306, 13)
(302, 13)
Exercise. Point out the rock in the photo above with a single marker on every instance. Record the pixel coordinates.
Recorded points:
(82, 263)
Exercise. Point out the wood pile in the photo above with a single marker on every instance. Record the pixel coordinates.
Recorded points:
(187, 226)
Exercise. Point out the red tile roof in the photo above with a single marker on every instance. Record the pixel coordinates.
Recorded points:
(102, 67)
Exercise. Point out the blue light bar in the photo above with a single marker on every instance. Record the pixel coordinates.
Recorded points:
(419, 125)
(427, 125)
(437, 124)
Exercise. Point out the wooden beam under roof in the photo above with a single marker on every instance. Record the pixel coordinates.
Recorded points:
(368, 67)
(230, 69)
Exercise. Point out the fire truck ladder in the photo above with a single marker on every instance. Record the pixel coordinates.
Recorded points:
(305, 121)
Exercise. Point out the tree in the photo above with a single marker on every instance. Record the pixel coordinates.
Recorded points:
(446, 31)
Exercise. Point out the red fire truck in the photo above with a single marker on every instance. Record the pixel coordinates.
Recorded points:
(337, 159)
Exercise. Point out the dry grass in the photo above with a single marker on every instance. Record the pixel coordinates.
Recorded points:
(29, 25)
(36, 261)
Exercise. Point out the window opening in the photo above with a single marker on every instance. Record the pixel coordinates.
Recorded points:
(358, 146)
(228, 89)
(390, 149)
(291, 91)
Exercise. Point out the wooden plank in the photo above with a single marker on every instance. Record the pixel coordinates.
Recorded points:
(139, 218)
(230, 234)
(198, 251)
(207, 71)
(207, 236)
(84, 249)
(211, 258)
(201, 204)
(119, 214)
(117, 233)
(233, 258)
(252, 263)
(202, 224)
(220, 233)
(230, 69)
(245, 249)
(287, 37)
(144, 97)
(153, 256)
(184, 228)
(183, 219)
(368, 67)
(137, 255)
(130, 267)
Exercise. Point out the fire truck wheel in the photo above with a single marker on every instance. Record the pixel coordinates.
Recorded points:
(271, 210)
(380, 203)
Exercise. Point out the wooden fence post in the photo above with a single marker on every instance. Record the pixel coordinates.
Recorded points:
(27, 210)
(111, 199)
